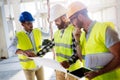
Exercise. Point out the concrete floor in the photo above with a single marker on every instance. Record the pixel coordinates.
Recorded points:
(10, 69)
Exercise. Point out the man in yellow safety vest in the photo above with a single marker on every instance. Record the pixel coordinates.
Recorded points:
(63, 42)
(95, 38)
(26, 44)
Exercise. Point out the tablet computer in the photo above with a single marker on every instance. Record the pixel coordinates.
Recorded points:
(79, 73)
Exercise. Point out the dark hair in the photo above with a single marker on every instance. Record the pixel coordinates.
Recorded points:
(63, 15)
(23, 22)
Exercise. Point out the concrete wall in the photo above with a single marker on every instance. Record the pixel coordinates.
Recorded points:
(118, 16)
(3, 42)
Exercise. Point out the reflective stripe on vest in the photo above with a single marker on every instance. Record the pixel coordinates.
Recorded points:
(62, 55)
(25, 60)
(24, 43)
(63, 47)
(96, 44)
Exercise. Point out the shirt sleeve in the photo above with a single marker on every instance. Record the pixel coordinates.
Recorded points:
(13, 46)
(46, 48)
(111, 37)
(74, 56)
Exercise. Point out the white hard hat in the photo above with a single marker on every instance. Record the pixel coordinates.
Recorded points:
(57, 11)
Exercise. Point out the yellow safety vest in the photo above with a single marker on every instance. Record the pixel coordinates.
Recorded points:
(96, 45)
(63, 47)
(110, 24)
(24, 43)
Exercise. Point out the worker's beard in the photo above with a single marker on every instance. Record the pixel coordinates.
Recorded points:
(62, 25)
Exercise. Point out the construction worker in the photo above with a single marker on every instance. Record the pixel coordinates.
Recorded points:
(95, 38)
(63, 42)
(26, 44)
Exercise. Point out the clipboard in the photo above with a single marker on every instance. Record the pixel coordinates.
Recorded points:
(79, 73)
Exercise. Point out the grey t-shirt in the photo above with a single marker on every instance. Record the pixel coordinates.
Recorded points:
(111, 35)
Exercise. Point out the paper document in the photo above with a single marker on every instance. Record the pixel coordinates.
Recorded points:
(48, 63)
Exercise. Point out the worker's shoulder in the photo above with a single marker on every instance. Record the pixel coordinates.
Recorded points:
(37, 29)
(70, 27)
(19, 32)
(107, 24)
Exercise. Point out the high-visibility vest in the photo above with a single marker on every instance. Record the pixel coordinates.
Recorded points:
(24, 43)
(63, 47)
(110, 24)
(96, 45)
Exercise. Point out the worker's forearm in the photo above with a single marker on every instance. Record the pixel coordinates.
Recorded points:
(78, 48)
(110, 66)
(73, 59)
(114, 63)
(46, 49)
(19, 51)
